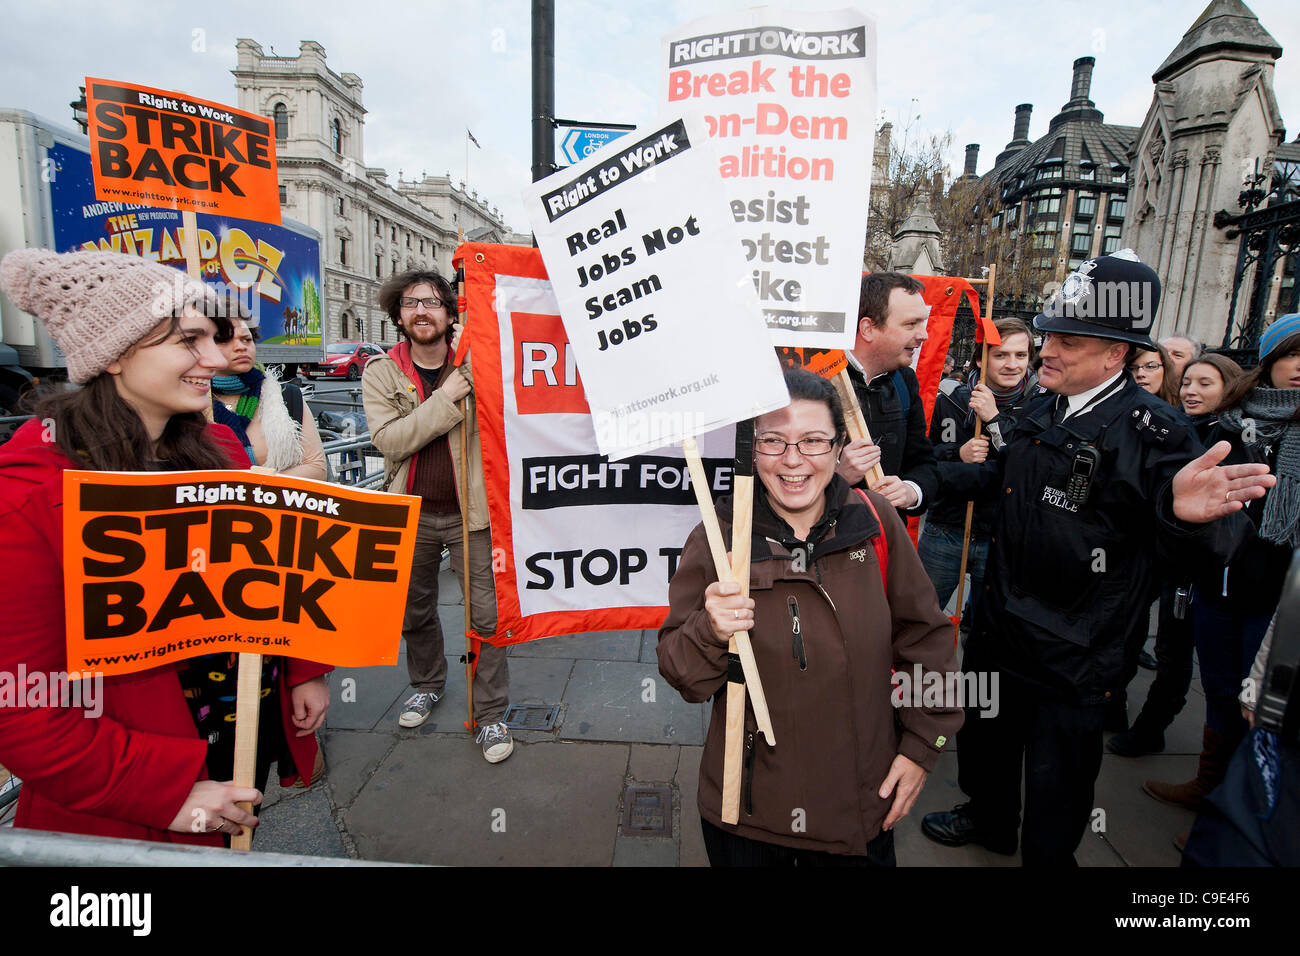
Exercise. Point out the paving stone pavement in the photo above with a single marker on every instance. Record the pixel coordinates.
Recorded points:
(426, 795)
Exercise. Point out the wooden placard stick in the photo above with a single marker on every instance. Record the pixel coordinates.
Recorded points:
(464, 559)
(855, 421)
(700, 482)
(742, 523)
(979, 423)
(248, 699)
(742, 669)
(248, 704)
(190, 244)
(464, 535)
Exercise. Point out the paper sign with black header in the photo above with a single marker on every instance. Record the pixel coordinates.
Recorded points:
(790, 100)
(655, 298)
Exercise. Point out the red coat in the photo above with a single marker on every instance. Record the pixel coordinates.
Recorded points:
(127, 772)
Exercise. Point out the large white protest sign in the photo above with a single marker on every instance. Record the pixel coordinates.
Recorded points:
(586, 544)
(790, 101)
(655, 296)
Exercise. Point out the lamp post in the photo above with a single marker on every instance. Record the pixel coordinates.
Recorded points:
(80, 113)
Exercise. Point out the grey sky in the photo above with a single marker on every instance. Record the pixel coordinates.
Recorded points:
(432, 69)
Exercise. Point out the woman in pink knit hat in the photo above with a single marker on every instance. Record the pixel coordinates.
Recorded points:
(139, 337)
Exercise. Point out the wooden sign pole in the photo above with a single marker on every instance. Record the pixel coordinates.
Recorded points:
(464, 522)
(739, 647)
(464, 557)
(190, 244)
(248, 703)
(979, 422)
(855, 421)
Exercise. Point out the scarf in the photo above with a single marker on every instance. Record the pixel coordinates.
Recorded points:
(1008, 396)
(1270, 413)
(283, 436)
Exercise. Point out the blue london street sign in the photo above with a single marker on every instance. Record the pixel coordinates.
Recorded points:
(580, 142)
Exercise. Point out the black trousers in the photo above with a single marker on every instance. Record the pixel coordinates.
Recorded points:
(1058, 744)
(1174, 645)
(729, 849)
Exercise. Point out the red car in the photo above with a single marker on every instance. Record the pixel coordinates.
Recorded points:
(343, 360)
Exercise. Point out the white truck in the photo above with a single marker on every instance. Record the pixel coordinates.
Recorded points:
(47, 200)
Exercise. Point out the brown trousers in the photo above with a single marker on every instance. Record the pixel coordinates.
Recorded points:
(426, 664)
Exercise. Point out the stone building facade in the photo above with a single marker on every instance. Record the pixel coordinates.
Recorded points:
(1087, 187)
(1213, 123)
(370, 228)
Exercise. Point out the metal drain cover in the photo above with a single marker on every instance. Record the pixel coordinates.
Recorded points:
(532, 716)
(648, 811)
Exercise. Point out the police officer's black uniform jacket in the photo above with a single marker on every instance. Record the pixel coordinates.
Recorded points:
(905, 448)
(1068, 582)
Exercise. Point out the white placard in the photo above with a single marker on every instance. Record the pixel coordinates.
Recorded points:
(790, 101)
(653, 291)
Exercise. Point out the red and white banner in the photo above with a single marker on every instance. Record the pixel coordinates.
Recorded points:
(586, 544)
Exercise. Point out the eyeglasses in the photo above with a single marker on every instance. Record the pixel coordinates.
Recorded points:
(409, 302)
(1149, 367)
(806, 446)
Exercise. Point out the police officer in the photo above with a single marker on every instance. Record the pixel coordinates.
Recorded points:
(1100, 481)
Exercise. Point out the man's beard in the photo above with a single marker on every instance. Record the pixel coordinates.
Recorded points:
(437, 336)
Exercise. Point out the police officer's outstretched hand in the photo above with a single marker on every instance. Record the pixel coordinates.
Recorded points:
(1204, 490)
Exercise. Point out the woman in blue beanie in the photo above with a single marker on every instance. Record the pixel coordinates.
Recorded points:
(1232, 606)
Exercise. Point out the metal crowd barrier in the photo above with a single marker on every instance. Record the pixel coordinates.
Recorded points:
(21, 847)
(347, 462)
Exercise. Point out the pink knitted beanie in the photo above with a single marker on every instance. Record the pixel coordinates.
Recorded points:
(96, 305)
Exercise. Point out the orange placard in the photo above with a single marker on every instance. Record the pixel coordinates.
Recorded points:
(165, 566)
(824, 362)
(159, 148)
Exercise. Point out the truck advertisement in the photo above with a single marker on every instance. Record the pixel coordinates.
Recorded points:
(275, 271)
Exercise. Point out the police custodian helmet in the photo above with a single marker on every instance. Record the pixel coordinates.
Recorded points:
(1110, 297)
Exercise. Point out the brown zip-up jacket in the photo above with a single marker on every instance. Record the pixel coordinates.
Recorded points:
(828, 686)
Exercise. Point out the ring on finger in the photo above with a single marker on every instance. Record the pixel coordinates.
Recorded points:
(736, 613)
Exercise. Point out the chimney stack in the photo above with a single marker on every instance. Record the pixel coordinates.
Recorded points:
(1022, 123)
(972, 158)
(1081, 87)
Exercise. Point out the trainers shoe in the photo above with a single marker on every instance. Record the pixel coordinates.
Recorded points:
(496, 741)
(417, 709)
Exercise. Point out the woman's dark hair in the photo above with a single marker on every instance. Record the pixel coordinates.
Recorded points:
(1228, 370)
(813, 388)
(95, 427)
(390, 293)
(1261, 374)
(226, 330)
